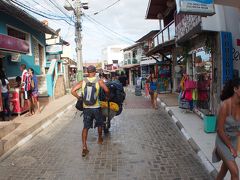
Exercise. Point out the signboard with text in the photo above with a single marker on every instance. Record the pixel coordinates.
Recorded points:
(227, 56)
(54, 49)
(197, 7)
(13, 44)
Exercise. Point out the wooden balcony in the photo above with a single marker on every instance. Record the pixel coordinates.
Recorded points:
(167, 34)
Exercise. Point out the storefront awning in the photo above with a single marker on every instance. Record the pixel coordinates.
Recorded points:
(129, 66)
(148, 62)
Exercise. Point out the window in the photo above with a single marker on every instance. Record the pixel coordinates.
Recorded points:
(14, 32)
(17, 34)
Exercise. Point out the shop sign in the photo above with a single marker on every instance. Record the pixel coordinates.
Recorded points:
(227, 56)
(185, 24)
(199, 7)
(54, 49)
(10, 43)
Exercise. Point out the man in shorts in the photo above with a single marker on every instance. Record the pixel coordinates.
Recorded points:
(90, 87)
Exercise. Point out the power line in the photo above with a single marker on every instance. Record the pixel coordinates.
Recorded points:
(59, 8)
(106, 8)
(107, 28)
(39, 14)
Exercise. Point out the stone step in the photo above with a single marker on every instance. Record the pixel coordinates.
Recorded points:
(7, 127)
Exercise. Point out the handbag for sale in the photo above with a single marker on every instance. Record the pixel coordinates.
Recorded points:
(189, 84)
(203, 96)
(194, 95)
(79, 104)
(188, 95)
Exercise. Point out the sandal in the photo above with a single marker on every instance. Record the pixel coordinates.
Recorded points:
(85, 152)
(100, 141)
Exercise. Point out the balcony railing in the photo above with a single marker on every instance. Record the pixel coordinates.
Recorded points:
(167, 34)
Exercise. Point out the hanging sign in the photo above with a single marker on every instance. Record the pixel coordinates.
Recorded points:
(196, 7)
(54, 49)
(227, 56)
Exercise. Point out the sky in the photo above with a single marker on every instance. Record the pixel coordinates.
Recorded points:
(126, 18)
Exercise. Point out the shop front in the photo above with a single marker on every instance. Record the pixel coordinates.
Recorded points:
(200, 54)
(164, 76)
(133, 71)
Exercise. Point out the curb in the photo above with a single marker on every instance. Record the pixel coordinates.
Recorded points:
(207, 164)
(37, 128)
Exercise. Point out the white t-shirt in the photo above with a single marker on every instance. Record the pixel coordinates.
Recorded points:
(4, 88)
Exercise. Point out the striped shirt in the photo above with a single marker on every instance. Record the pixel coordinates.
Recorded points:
(26, 81)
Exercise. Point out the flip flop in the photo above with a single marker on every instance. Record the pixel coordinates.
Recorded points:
(85, 152)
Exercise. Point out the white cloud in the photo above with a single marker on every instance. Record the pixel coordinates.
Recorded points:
(126, 18)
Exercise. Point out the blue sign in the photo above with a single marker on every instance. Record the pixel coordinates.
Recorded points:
(197, 7)
(227, 56)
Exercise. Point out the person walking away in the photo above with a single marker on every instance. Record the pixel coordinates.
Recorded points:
(228, 130)
(90, 91)
(153, 90)
(123, 80)
(5, 88)
(26, 87)
(34, 90)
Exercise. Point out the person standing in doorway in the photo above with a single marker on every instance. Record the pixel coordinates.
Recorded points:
(5, 88)
(34, 90)
(153, 87)
(26, 87)
(90, 91)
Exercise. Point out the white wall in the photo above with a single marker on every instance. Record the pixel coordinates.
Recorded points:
(113, 53)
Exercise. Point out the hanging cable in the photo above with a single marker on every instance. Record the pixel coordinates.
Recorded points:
(106, 8)
(107, 28)
(59, 8)
(39, 14)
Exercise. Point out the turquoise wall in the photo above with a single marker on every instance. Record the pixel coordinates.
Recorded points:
(13, 68)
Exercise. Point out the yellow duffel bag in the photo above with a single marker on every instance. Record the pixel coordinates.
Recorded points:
(113, 106)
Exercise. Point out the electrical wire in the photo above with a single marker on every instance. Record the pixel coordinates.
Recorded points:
(107, 28)
(39, 14)
(59, 8)
(106, 8)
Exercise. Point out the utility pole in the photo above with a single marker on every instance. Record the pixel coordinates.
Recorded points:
(78, 39)
(78, 33)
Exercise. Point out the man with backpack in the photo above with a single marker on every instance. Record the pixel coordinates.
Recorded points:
(90, 94)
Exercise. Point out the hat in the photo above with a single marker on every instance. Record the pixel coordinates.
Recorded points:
(91, 69)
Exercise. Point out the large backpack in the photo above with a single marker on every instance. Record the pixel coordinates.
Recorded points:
(90, 94)
(117, 93)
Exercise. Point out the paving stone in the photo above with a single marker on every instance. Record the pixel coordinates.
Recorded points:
(143, 144)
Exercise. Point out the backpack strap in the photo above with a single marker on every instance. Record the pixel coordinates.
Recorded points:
(86, 80)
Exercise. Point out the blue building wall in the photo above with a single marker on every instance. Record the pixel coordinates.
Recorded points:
(13, 68)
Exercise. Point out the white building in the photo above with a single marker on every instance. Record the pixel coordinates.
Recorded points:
(113, 54)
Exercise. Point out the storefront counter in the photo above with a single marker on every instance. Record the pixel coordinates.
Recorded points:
(17, 103)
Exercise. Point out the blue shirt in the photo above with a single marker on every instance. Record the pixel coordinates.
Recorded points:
(153, 86)
(35, 80)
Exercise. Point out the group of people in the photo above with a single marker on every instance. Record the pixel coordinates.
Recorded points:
(27, 83)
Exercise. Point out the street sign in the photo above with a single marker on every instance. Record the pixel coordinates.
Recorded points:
(196, 7)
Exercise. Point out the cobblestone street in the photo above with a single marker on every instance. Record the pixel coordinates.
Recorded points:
(142, 144)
